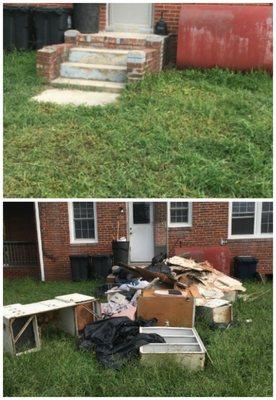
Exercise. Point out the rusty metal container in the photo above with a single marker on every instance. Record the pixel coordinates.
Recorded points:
(219, 257)
(233, 36)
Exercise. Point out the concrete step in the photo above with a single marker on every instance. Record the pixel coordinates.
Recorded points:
(98, 72)
(91, 85)
(89, 55)
(74, 97)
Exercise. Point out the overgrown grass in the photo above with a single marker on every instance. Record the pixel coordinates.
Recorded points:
(242, 357)
(179, 133)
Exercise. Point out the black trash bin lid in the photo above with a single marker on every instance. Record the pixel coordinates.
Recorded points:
(16, 9)
(101, 255)
(246, 259)
(79, 256)
(51, 10)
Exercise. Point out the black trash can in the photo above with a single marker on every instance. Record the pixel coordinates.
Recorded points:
(120, 252)
(79, 267)
(86, 17)
(18, 31)
(100, 266)
(50, 25)
(245, 267)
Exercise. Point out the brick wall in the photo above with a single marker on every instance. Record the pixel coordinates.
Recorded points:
(21, 272)
(102, 17)
(160, 226)
(49, 58)
(210, 224)
(56, 237)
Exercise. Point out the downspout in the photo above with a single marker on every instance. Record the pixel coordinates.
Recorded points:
(39, 242)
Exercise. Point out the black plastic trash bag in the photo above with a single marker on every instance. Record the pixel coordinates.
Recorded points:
(158, 265)
(117, 340)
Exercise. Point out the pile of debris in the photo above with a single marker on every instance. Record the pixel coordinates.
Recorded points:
(202, 281)
(175, 276)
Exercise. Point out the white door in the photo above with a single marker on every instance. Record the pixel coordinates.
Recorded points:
(141, 231)
(130, 17)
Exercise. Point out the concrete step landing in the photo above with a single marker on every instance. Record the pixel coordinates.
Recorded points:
(71, 97)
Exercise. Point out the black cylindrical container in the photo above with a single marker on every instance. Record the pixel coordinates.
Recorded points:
(100, 266)
(245, 267)
(120, 252)
(79, 267)
(86, 17)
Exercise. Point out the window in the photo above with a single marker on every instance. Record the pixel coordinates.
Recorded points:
(267, 217)
(141, 213)
(250, 219)
(180, 214)
(82, 222)
(243, 218)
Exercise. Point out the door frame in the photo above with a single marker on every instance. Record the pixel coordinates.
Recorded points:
(130, 209)
(151, 15)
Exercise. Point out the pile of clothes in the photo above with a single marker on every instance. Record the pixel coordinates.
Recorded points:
(122, 299)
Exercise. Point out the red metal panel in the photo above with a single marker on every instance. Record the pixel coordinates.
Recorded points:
(219, 257)
(237, 37)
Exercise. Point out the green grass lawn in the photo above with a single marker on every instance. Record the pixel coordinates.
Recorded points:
(178, 133)
(242, 357)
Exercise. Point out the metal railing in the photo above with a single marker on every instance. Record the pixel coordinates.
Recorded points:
(20, 253)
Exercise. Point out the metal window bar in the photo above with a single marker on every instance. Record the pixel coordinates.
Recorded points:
(20, 253)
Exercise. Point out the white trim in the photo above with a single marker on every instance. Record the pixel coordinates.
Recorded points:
(180, 224)
(257, 224)
(73, 240)
(39, 241)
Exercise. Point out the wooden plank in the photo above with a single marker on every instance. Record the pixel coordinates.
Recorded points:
(174, 310)
(29, 320)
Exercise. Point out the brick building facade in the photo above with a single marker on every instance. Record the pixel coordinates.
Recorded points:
(208, 226)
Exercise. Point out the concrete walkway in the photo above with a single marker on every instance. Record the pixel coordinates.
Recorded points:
(75, 97)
